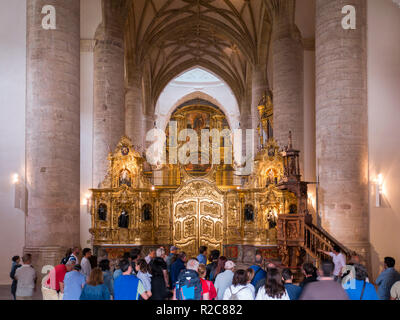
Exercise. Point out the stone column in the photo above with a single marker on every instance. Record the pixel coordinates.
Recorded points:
(109, 90)
(287, 64)
(258, 89)
(135, 121)
(341, 123)
(52, 132)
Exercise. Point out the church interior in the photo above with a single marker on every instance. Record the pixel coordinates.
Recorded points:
(314, 101)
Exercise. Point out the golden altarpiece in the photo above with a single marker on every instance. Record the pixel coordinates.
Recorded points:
(194, 205)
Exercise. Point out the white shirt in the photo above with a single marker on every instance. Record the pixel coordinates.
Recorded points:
(242, 292)
(339, 261)
(262, 295)
(86, 267)
(26, 277)
(253, 290)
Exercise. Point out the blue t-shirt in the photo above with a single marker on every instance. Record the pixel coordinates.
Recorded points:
(127, 287)
(202, 259)
(73, 284)
(99, 292)
(355, 292)
(293, 291)
(259, 274)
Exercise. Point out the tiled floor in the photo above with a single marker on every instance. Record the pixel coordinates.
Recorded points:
(5, 293)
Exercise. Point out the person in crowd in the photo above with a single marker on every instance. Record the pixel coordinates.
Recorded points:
(387, 278)
(159, 285)
(75, 254)
(15, 260)
(57, 274)
(14, 266)
(117, 270)
(359, 288)
(250, 277)
(310, 274)
(74, 282)
(261, 283)
(273, 288)
(224, 279)
(293, 291)
(85, 264)
(210, 285)
(150, 256)
(143, 273)
(239, 289)
(66, 257)
(339, 260)
(213, 258)
(326, 288)
(395, 291)
(128, 286)
(134, 257)
(177, 267)
(189, 286)
(104, 266)
(172, 252)
(26, 279)
(348, 272)
(259, 273)
(95, 289)
(202, 257)
(160, 253)
(219, 269)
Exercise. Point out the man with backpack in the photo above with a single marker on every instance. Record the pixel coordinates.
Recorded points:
(188, 285)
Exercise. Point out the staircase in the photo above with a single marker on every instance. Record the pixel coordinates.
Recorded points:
(317, 239)
(300, 241)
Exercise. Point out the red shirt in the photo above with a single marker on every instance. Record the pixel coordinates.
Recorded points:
(208, 287)
(57, 275)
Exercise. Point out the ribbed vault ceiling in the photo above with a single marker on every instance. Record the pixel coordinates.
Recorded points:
(166, 37)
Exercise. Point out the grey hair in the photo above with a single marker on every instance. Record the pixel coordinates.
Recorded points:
(160, 252)
(193, 265)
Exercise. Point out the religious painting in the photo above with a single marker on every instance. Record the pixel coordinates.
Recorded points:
(125, 178)
(198, 121)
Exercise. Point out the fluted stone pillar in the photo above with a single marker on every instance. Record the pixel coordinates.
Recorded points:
(341, 123)
(135, 121)
(52, 131)
(109, 90)
(259, 88)
(287, 64)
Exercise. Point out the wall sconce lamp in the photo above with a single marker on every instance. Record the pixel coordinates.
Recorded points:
(379, 190)
(86, 201)
(15, 178)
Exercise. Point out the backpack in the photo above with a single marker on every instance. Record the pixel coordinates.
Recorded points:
(188, 286)
(235, 296)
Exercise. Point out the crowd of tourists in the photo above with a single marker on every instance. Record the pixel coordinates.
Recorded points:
(173, 276)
